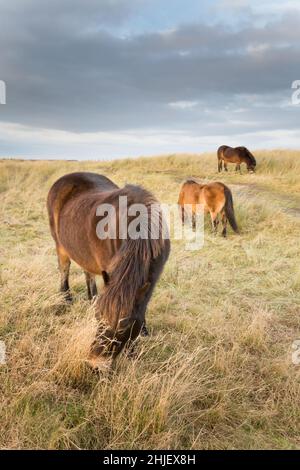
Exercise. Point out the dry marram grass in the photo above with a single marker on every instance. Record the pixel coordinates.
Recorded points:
(216, 372)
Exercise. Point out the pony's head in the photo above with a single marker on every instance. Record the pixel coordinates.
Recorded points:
(251, 162)
(128, 286)
(251, 167)
(120, 321)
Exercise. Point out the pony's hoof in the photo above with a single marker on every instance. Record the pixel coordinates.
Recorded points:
(144, 331)
(69, 300)
(93, 300)
(131, 353)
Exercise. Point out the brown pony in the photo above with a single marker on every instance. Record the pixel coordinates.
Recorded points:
(215, 198)
(235, 155)
(130, 267)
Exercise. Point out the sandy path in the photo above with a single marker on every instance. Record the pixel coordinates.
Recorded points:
(281, 201)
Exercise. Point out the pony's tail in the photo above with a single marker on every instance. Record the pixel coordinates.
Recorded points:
(229, 210)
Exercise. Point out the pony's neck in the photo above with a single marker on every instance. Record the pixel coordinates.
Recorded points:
(127, 273)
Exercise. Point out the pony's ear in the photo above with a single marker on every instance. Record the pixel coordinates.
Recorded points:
(142, 290)
(105, 277)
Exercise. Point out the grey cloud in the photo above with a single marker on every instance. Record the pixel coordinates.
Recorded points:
(65, 70)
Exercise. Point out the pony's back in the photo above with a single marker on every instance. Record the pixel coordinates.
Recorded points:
(74, 183)
(188, 192)
(221, 149)
(69, 186)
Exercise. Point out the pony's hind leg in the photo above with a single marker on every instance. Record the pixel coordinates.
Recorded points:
(224, 223)
(214, 221)
(91, 285)
(64, 263)
(220, 165)
(238, 168)
(225, 166)
(183, 214)
(194, 220)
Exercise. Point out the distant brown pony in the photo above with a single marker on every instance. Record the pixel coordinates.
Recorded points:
(237, 155)
(215, 198)
(130, 267)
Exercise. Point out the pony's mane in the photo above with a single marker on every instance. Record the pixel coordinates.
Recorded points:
(129, 268)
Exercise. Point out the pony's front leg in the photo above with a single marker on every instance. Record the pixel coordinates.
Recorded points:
(224, 223)
(225, 166)
(130, 349)
(144, 330)
(91, 285)
(64, 263)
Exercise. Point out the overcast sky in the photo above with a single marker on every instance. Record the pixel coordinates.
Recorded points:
(110, 78)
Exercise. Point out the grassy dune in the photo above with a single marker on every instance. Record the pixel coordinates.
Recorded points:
(216, 372)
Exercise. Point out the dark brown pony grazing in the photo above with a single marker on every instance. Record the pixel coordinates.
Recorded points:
(235, 155)
(215, 198)
(130, 267)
